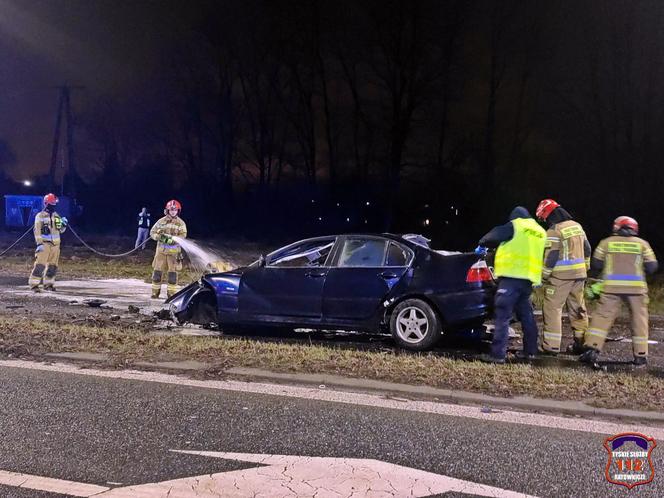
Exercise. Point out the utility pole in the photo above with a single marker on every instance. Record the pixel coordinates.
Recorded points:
(64, 113)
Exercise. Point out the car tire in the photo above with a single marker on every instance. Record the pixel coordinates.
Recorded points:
(415, 325)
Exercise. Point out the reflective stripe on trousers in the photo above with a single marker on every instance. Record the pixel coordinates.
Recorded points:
(607, 309)
(557, 294)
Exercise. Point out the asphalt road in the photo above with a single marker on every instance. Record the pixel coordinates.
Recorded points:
(115, 433)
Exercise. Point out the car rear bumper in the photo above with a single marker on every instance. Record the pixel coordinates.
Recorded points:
(465, 307)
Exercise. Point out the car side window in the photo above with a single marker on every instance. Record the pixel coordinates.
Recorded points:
(359, 252)
(311, 254)
(396, 255)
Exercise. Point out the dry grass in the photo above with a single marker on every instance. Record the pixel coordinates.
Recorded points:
(24, 336)
(92, 267)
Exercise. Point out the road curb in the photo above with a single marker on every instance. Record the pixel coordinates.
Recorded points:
(525, 403)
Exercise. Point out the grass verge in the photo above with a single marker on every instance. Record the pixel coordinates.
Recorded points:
(75, 267)
(78, 262)
(25, 336)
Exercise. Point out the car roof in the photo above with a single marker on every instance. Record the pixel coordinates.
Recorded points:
(391, 236)
(388, 236)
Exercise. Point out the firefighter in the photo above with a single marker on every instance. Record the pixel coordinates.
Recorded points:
(566, 263)
(518, 264)
(49, 225)
(623, 259)
(168, 256)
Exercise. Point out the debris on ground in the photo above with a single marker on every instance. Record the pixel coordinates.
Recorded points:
(133, 309)
(94, 303)
(162, 314)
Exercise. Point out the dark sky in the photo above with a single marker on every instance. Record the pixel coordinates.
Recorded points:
(108, 46)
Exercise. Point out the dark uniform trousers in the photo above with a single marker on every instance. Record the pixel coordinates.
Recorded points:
(513, 296)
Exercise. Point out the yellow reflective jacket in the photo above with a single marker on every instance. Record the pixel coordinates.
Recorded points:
(623, 259)
(48, 228)
(168, 226)
(568, 239)
(522, 255)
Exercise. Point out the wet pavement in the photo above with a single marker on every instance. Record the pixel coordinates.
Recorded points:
(116, 293)
(91, 433)
(118, 302)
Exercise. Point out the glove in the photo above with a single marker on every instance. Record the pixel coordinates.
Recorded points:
(594, 290)
(40, 248)
(481, 251)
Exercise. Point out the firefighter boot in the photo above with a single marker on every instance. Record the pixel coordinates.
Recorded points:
(156, 284)
(49, 287)
(590, 356)
(576, 347)
(640, 361)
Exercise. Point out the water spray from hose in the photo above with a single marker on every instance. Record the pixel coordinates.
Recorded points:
(203, 260)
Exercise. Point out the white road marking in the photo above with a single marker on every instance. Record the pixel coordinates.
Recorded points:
(361, 399)
(18, 480)
(280, 476)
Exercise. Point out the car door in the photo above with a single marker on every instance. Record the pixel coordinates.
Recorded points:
(363, 272)
(289, 286)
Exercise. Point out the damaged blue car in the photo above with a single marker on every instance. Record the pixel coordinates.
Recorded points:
(356, 282)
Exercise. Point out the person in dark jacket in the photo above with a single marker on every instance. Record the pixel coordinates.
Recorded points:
(518, 266)
(143, 229)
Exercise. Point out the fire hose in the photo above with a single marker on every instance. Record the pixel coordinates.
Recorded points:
(140, 246)
(16, 242)
(29, 230)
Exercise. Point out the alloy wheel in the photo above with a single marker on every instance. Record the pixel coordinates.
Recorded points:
(412, 325)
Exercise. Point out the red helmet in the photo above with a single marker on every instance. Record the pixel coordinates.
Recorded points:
(50, 199)
(173, 204)
(545, 208)
(625, 222)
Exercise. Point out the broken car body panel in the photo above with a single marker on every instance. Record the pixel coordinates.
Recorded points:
(347, 282)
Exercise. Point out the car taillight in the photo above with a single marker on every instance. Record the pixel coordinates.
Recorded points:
(479, 272)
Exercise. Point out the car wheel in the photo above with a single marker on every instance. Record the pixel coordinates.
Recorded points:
(415, 325)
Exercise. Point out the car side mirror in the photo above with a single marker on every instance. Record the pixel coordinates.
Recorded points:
(262, 261)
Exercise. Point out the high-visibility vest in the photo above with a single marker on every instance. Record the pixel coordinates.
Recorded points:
(522, 256)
